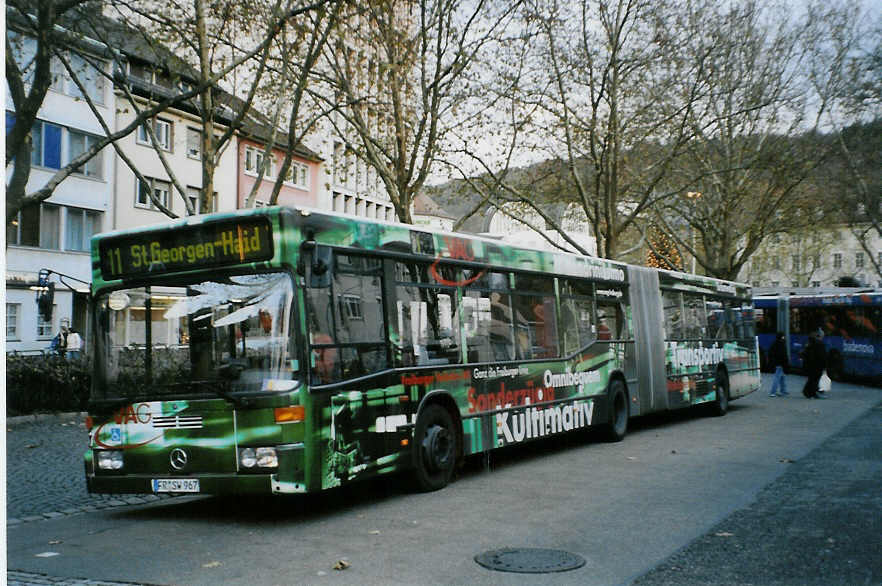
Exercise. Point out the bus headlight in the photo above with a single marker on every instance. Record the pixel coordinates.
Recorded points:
(250, 458)
(109, 459)
(247, 458)
(267, 458)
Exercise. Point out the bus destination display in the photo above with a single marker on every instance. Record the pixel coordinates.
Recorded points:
(192, 247)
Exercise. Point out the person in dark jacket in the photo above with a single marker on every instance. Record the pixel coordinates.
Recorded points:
(778, 360)
(814, 360)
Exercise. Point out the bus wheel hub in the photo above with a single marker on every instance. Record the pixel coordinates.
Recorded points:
(437, 447)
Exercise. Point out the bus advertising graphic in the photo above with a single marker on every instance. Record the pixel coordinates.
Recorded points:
(283, 351)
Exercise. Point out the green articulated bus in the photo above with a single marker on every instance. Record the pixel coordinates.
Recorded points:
(282, 350)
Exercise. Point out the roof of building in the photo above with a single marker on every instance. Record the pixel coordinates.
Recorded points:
(97, 33)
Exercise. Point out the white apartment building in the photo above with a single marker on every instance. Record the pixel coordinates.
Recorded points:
(55, 235)
(818, 259)
(179, 140)
(514, 225)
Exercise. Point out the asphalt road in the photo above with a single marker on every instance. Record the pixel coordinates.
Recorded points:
(780, 491)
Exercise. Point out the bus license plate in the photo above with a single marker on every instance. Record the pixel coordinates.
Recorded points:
(175, 485)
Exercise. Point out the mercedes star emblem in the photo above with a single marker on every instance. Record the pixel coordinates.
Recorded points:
(178, 458)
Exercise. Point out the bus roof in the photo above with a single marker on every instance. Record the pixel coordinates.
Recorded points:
(442, 244)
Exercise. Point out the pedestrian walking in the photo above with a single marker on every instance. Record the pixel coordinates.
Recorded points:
(778, 360)
(814, 360)
(74, 344)
(59, 342)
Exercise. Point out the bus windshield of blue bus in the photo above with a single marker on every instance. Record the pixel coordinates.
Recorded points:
(228, 334)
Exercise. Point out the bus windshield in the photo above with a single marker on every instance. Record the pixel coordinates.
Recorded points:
(225, 335)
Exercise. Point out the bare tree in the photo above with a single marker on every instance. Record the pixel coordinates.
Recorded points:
(398, 72)
(756, 136)
(600, 92)
(56, 25)
(255, 34)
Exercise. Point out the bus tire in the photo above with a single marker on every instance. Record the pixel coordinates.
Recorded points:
(434, 449)
(720, 406)
(615, 429)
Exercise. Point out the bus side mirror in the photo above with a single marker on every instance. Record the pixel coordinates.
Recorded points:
(320, 268)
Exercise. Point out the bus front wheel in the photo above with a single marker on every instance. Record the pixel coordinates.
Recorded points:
(434, 448)
(720, 405)
(617, 426)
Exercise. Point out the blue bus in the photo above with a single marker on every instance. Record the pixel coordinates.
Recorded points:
(851, 320)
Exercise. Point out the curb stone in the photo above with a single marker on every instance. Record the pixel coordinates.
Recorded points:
(13, 522)
(17, 578)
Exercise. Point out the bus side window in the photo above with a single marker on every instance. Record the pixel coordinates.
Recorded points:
(611, 323)
(426, 319)
(695, 322)
(672, 303)
(747, 321)
(346, 326)
(489, 327)
(577, 315)
(535, 317)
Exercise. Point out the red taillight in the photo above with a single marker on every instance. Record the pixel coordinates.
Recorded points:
(292, 414)
(89, 422)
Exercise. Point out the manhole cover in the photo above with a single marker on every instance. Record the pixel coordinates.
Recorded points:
(527, 560)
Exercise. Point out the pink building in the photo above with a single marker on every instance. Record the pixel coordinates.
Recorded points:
(299, 188)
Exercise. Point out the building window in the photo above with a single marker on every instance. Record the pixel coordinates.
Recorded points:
(44, 327)
(776, 283)
(816, 283)
(837, 260)
(80, 143)
(163, 131)
(35, 226)
(352, 307)
(161, 190)
(91, 78)
(46, 145)
(254, 162)
(194, 143)
(795, 261)
(194, 194)
(81, 225)
(298, 175)
(12, 312)
(24, 52)
(794, 283)
(859, 260)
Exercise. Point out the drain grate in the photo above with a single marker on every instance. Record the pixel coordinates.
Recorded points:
(527, 560)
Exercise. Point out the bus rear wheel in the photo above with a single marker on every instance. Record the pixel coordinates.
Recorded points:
(617, 426)
(720, 405)
(434, 448)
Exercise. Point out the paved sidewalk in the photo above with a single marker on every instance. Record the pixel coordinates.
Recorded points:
(820, 524)
(44, 470)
